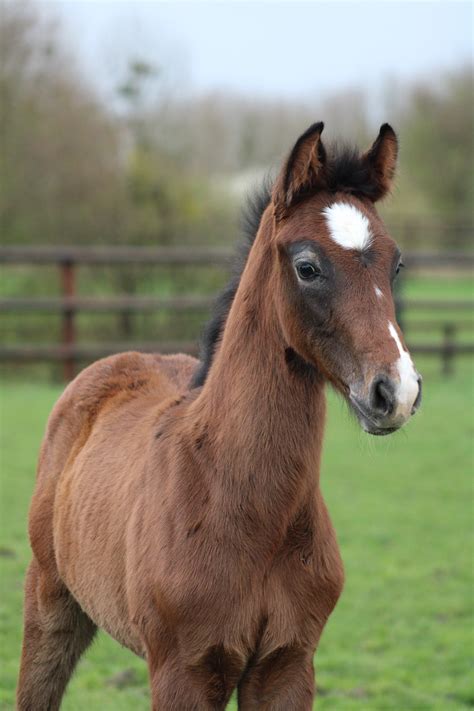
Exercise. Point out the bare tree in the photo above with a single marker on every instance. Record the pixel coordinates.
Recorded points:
(60, 168)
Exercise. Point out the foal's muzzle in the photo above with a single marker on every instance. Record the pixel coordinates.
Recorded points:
(385, 407)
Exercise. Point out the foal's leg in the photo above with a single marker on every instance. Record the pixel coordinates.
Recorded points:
(206, 686)
(284, 680)
(56, 633)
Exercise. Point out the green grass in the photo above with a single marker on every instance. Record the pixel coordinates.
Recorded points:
(423, 286)
(416, 321)
(401, 636)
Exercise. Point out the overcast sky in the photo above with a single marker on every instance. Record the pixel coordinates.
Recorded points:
(289, 49)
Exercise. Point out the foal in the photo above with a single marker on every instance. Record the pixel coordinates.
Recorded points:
(188, 522)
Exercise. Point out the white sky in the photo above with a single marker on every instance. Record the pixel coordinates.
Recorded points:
(288, 49)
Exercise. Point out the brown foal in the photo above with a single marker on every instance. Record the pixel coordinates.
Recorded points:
(188, 522)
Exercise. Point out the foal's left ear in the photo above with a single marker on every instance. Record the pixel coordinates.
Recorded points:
(381, 161)
(302, 172)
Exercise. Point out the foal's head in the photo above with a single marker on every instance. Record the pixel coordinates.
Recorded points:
(335, 266)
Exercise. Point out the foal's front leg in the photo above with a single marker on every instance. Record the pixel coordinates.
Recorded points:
(179, 685)
(281, 681)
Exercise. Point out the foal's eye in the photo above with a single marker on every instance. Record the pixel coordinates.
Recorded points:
(307, 271)
(400, 265)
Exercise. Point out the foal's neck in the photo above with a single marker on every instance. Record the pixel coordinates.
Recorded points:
(263, 404)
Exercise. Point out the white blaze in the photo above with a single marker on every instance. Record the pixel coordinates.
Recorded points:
(408, 386)
(378, 292)
(348, 226)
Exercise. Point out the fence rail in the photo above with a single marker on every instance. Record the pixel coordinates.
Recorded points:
(85, 351)
(186, 255)
(177, 303)
(113, 303)
(116, 255)
(69, 304)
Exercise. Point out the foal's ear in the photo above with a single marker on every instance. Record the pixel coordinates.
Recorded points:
(302, 171)
(381, 161)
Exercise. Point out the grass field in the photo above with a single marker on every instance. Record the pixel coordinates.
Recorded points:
(402, 634)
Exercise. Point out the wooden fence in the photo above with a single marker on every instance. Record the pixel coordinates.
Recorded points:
(69, 303)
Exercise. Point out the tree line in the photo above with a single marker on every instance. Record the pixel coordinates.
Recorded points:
(158, 169)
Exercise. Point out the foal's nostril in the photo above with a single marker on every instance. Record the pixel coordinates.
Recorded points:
(382, 396)
(417, 402)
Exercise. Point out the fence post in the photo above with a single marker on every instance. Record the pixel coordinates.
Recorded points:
(447, 349)
(68, 288)
(128, 285)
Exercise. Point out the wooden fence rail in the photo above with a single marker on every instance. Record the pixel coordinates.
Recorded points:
(69, 304)
(188, 256)
(177, 303)
(86, 351)
(112, 303)
(110, 256)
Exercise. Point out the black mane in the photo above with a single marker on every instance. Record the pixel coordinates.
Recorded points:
(251, 217)
(345, 171)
